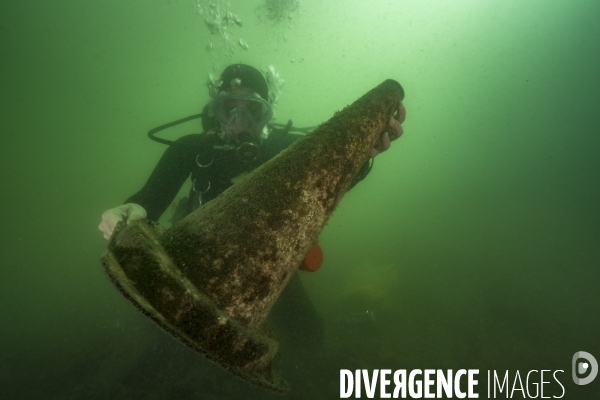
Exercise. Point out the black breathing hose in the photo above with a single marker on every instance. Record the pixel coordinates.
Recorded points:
(153, 131)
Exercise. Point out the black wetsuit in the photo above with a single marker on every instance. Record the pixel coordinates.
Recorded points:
(211, 170)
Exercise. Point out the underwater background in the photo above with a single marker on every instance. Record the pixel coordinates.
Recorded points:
(473, 243)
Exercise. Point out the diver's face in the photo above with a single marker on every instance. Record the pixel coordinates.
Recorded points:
(233, 131)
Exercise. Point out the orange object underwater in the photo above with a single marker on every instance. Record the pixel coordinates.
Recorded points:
(313, 259)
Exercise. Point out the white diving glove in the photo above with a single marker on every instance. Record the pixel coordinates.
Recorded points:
(127, 212)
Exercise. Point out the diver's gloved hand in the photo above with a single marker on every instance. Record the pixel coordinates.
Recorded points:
(392, 133)
(127, 212)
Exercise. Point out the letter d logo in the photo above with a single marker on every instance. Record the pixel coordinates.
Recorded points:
(582, 368)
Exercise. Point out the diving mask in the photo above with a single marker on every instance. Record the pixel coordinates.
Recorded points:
(242, 110)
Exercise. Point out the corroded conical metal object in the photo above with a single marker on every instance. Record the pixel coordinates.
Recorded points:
(211, 279)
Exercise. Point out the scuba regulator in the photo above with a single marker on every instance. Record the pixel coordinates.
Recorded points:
(246, 147)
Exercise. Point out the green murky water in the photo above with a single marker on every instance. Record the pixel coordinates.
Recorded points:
(474, 242)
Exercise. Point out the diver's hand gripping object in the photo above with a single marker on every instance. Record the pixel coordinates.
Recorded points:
(127, 213)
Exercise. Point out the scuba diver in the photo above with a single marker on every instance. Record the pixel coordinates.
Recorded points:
(235, 141)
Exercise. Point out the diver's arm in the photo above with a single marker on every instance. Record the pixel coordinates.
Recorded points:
(362, 172)
(392, 133)
(389, 135)
(173, 168)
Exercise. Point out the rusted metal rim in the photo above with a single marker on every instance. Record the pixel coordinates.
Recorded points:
(138, 266)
